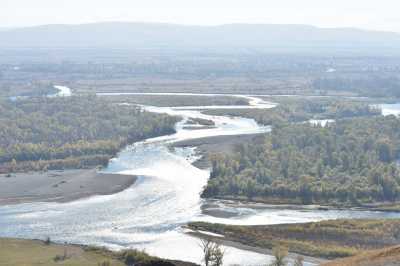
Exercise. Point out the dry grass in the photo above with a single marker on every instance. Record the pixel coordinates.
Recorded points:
(33, 252)
(382, 257)
(22, 252)
(327, 239)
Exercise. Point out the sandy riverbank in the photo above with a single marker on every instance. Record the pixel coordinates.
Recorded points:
(60, 186)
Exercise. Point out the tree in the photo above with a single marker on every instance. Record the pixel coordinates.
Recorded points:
(13, 165)
(299, 261)
(207, 247)
(384, 151)
(305, 190)
(280, 253)
(213, 254)
(218, 255)
(47, 241)
(251, 188)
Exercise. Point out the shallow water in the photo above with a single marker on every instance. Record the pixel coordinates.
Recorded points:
(63, 91)
(149, 215)
(390, 109)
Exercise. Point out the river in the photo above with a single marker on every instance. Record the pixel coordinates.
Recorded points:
(63, 91)
(150, 214)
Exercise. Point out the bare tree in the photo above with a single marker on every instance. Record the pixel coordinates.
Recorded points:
(206, 246)
(213, 254)
(218, 255)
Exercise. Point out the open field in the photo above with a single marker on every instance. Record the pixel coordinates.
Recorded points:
(238, 72)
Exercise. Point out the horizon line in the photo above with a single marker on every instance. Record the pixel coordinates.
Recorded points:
(197, 25)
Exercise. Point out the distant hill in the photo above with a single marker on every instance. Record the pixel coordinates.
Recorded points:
(264, 37)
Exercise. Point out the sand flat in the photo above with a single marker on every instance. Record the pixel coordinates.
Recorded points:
(60, 186)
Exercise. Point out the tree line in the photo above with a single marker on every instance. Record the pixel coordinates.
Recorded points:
(372, 85)
(352, 161)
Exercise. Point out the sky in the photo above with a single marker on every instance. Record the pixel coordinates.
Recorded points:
(366, 14)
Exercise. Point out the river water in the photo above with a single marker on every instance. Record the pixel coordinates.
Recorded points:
(150, 214)
(63, 91)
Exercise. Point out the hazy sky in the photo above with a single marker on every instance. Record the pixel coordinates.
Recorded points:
(368, 14)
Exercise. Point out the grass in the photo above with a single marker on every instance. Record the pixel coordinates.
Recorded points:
(35, 252)
(200, 121)
(326, 239)
(23, 252)
(382, 257)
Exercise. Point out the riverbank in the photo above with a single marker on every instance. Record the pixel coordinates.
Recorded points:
(298, 205)
(46, 253)
(228, 243)
(60, 186)
(327, 239)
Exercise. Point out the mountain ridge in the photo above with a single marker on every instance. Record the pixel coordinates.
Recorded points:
(290, 37)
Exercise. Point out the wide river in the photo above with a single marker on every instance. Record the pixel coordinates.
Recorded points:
(150, 214)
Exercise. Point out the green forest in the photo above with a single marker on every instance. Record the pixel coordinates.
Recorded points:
(71, 132)
(352, 161)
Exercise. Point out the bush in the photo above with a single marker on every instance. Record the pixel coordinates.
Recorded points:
(132, 257)
(47, 241)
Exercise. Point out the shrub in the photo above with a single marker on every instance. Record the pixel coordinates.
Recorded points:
(47, 241)
(132, 257)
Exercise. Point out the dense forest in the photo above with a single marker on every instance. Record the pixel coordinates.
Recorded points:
(71, 132)
(352, 161)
